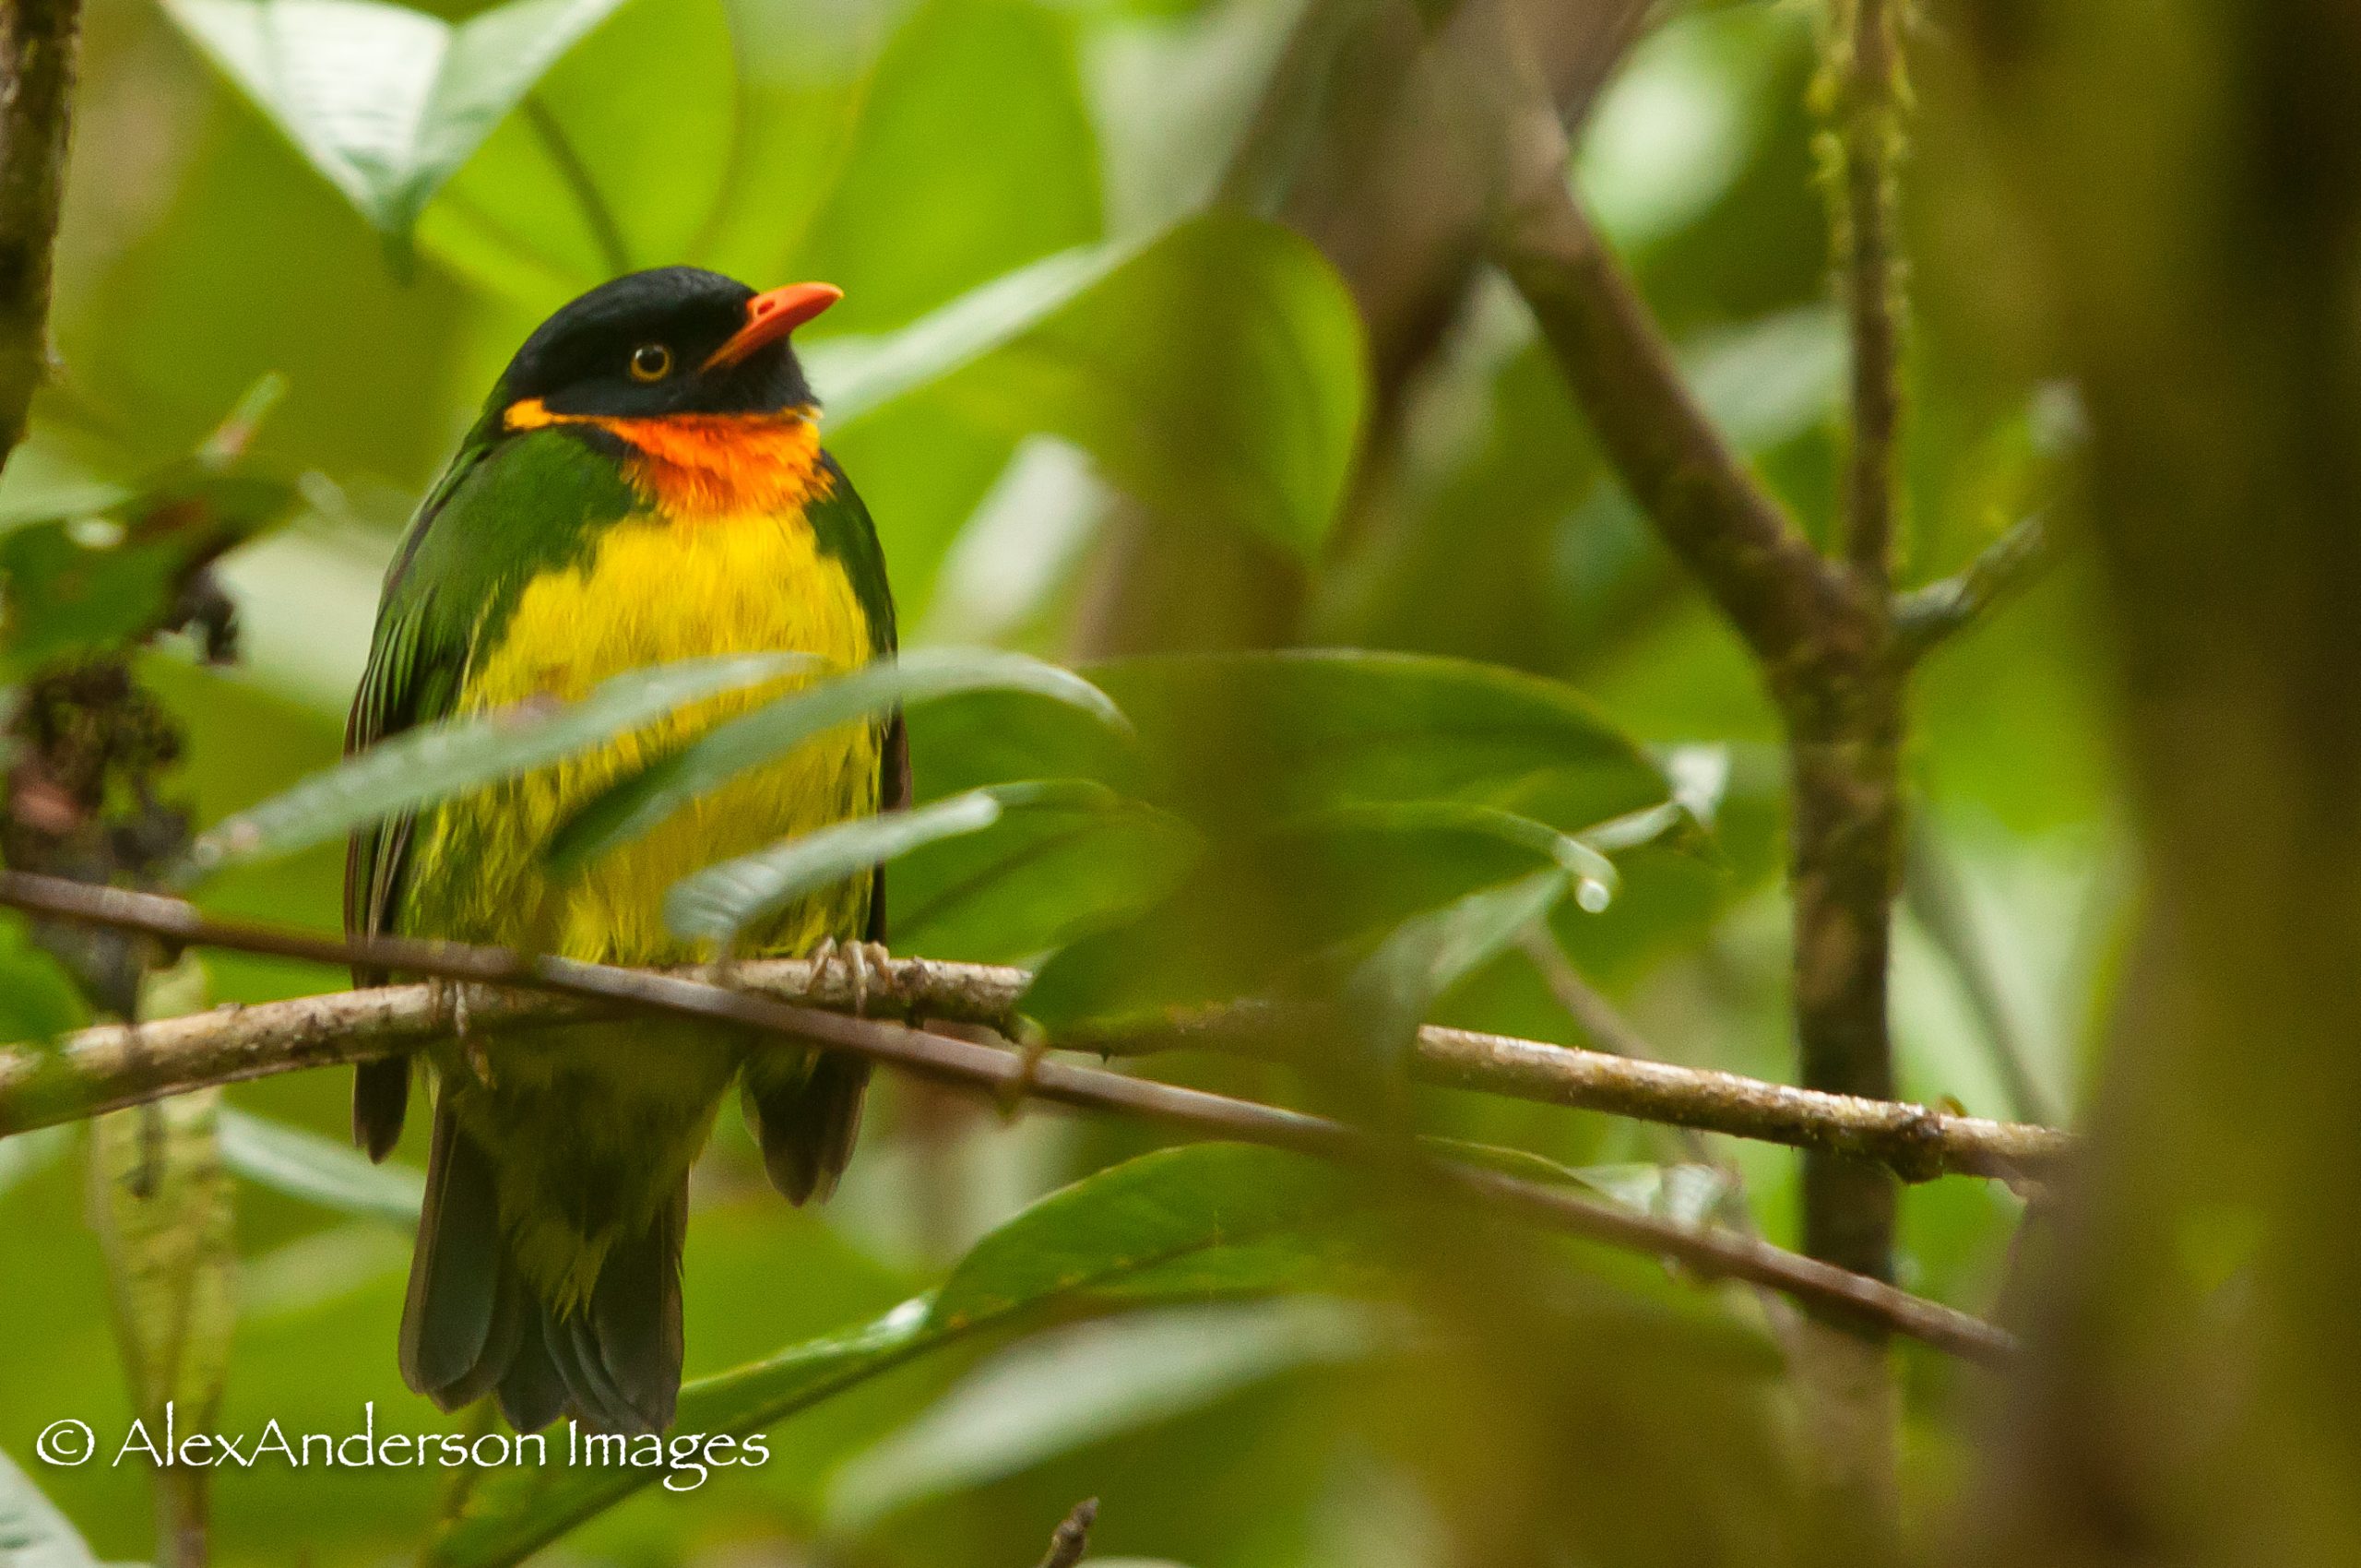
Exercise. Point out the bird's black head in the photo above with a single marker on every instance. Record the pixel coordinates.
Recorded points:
(676, 341)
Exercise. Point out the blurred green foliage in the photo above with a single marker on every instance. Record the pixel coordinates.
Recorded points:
(1044, 337)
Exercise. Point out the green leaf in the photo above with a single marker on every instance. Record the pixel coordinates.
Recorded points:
(516, 1512)
(1083, 1384)
(1390, 993)
(1576, 857)
(33, 1534)
(1039, 879)
(575, 188)
(439, 760)
(26, 1155)
(1178, 1224)
(1305, 730)
(929, 198)
(318, 1170)
(1172, 1223)
(1214, 373)
(385, 101)
(161, 1203)
(111, 574)
(860, 376)
(1296, 912)
(718, 902)
(639, 802)
(37, 998)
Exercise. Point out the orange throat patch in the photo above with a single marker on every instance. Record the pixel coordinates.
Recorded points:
(708, 465)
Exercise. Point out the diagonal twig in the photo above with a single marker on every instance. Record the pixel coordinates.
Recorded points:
(1711, 511)
(1924, 617)
(1072, 1538)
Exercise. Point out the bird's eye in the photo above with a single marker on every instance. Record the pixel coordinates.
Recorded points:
(651, 361)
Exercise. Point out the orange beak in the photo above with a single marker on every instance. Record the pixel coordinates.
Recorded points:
(771, 316)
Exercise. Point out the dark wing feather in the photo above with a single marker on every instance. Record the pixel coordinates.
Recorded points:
(410, 679)
(843, 527)
(892, 795)
(805, 1115)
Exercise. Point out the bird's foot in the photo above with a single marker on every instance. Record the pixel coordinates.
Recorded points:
(857, 969)
(451, 1001)
(721, 970)
(1033, 1044)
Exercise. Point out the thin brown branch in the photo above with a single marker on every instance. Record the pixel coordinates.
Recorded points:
(38, 43)
(1822, 633)
(1924, 617)
(1864, 85)
(1072, 1538)
(1609, 1029)
(110, 1066)
(1709, 507)
(31, 1085)
(1613, 1033)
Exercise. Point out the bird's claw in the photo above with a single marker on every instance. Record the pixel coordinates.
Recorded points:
(451, 999)
(857, 967)
(1033, 1045)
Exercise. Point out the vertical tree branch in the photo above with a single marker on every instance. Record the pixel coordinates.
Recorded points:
(1823, 635)
(1845, 774)
(1862, 86)
(38, 41)
(1845, 747)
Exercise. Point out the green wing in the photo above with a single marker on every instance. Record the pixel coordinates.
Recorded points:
(506, 509)
(842, 525)
(416, 663)
(412, 677)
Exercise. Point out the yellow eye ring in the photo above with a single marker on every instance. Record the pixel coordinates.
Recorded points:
(651, 361)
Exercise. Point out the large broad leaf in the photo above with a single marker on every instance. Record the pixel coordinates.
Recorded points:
(1214, 373)
(1390, 993)
(617, 162)
(161, 1203)
(936, 193)
(1086, 1383)
(722, 901)
(33, 1534)
(1375, 908)
(108, 575)
(1178, 1224)
(27, 1155)
(1039, 879)
(640, 801)
(318, 1170)
(969, 151)
(38, 999)
(384, 100)
(1291, 733)
(438, 760)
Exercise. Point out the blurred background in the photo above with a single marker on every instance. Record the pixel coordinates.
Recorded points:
(1431, 488)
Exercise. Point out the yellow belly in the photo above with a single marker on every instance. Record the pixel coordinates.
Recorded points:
(655, 589)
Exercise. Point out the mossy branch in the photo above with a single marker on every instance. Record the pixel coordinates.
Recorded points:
(38, 40)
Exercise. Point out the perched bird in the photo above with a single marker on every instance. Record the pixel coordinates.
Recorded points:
(645, 484)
